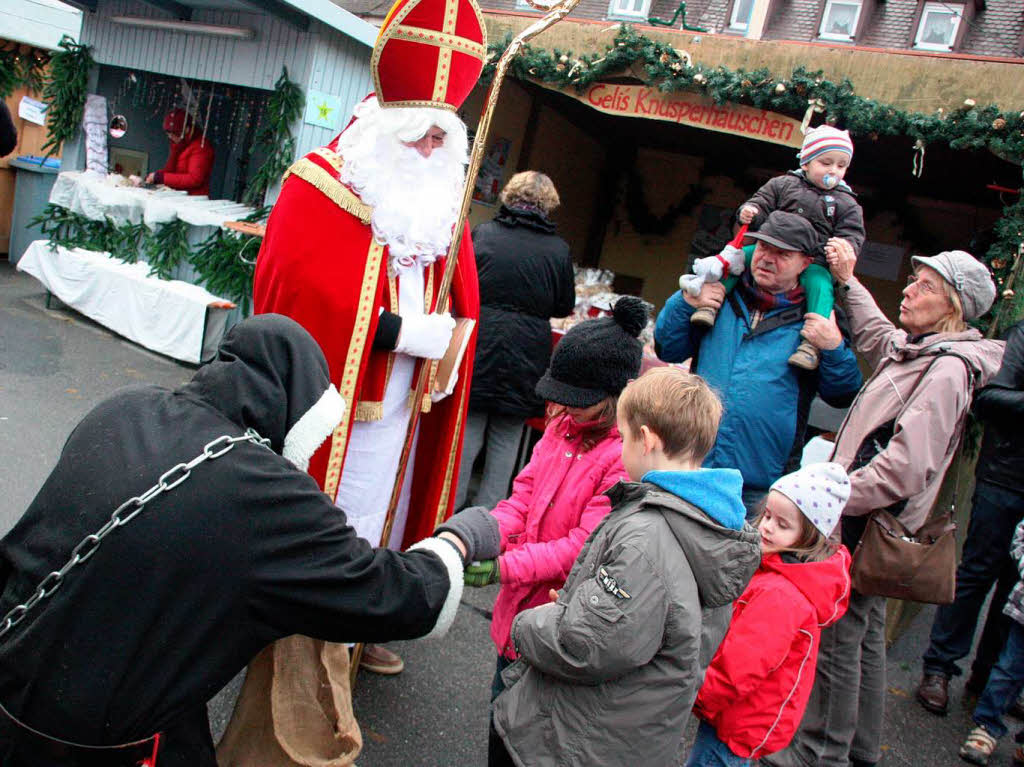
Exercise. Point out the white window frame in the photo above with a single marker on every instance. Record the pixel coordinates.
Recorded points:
(853, 27)
(740, 26)
(615, 12)
(522, 5)
(956, 9)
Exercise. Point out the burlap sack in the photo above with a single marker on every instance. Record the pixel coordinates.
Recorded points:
(295, 709)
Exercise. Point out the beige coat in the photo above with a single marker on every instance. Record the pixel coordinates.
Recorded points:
(928, 413)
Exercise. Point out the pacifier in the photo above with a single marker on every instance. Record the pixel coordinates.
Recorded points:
(830, 180)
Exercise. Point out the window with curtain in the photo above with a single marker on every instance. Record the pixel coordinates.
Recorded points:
(739, 20)
(938, 26)
(839, 21)
(630, 9)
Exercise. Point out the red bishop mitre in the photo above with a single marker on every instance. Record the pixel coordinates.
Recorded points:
(429, 53)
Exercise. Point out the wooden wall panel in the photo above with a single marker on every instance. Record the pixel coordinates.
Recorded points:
(255, 63)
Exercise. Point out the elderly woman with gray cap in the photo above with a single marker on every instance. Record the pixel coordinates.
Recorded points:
(898, 439)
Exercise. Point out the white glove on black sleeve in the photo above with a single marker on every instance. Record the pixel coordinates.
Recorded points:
(425, 335)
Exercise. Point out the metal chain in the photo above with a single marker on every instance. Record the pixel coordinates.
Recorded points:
(121, 516)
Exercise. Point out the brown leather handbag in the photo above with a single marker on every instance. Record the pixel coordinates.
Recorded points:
(891, 562)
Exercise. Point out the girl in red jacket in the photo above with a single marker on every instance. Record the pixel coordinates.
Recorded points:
(756, 688)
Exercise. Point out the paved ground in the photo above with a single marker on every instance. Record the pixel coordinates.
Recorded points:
(55, 365)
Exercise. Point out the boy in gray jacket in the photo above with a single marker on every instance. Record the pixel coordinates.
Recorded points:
(608, 672)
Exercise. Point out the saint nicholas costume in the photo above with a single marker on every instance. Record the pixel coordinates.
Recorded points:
(322, 265)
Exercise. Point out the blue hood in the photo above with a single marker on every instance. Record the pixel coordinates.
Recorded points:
(717, 492)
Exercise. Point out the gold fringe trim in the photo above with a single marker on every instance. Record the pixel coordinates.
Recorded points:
(369, 411)
(337, 192)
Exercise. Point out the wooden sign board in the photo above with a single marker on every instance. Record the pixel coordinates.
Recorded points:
(690, 109)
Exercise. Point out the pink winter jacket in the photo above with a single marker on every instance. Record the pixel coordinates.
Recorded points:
(556, 501)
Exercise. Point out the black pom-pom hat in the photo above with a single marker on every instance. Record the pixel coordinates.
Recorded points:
(597, 358)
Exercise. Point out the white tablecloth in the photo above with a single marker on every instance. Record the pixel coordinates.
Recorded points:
(167, 316)
(89, 195)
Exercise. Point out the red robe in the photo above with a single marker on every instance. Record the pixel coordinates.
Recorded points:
(320, 266)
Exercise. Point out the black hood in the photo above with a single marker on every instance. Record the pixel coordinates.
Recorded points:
(270, 375)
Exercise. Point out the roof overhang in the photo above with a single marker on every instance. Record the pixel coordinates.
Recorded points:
(911, 80)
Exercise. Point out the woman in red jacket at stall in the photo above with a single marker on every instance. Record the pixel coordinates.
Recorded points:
(757, 686)
(191, 159)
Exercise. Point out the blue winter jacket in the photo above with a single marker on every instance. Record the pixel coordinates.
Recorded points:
(766, 399)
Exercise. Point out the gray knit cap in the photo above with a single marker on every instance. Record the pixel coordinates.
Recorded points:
(970, 278)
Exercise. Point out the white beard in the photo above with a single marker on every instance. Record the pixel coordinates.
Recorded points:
(415, 199)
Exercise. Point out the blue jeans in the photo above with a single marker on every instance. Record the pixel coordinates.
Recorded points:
(985, 561)
(1004, 684)
(709, 751)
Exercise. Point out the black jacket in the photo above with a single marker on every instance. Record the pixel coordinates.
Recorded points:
(832, 212)
(8, 133)
(245, 551)
(1000, 406)
(526, 278)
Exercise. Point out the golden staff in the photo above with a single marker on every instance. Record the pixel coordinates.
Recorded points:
(555, 13)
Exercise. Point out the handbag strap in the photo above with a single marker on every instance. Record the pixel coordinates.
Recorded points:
(972, 377)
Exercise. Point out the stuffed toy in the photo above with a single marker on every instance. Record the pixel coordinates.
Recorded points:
(714, 268)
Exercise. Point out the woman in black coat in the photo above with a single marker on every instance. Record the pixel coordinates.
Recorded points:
(526, 278)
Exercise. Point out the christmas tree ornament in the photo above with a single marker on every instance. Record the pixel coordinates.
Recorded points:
(780, 88)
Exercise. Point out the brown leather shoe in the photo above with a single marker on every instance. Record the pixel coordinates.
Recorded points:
(380, 660)
(933, 693)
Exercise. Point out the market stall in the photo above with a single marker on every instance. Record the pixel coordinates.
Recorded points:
(156, 265)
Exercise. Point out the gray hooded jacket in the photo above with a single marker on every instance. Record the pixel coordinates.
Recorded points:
(609, 672)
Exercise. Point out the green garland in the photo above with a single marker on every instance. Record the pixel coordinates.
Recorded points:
(21, 70)
(659, 65)
(225, 262)
(165, 248)
(284, 107)
(222, 259)
(65, 90)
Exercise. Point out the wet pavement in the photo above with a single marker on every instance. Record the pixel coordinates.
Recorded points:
(55, 365)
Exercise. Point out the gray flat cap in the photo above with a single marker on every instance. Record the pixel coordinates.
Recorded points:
(970, 278)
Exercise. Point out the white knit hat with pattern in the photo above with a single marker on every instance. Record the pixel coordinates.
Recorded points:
(823, 139)
(819, 490)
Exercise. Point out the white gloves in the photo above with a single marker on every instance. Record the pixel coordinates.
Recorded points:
(425, 335)
(712, 269)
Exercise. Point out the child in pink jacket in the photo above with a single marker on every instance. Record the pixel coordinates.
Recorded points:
(558, 498)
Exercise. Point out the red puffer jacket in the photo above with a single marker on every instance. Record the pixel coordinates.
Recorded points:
(188, 166)
(756, 688)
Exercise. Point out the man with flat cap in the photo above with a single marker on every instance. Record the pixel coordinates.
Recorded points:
(744, 355)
